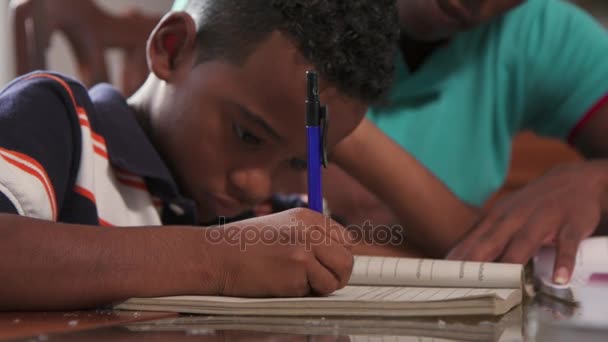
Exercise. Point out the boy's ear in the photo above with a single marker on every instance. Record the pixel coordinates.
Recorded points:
(172, 45)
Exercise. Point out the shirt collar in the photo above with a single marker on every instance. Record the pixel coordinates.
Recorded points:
(130, 149)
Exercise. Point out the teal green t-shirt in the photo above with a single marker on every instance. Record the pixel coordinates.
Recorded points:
(540, 67)
(179, 5)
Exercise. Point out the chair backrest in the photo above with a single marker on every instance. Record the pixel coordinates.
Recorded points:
(89, 31)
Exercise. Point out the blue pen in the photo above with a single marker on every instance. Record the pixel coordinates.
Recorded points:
(316, 131)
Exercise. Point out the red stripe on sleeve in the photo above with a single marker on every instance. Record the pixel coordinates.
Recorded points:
(585, 119)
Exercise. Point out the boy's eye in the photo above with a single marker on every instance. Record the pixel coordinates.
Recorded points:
(298, 164)
(245, 135)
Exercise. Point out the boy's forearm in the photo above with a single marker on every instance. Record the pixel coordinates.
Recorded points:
(46, 265)
(434, 217)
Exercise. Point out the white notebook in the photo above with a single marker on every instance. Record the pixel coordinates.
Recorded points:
(591, 259)
(379, 286)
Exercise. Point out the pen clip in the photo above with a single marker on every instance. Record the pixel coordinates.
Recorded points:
(324, 122)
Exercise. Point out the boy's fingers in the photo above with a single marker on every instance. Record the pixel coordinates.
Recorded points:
(337, 232)
(321, 280)
(566, 249)
(317, 225)
(337, 259)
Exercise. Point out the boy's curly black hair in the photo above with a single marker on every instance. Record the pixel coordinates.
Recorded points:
(351, 43)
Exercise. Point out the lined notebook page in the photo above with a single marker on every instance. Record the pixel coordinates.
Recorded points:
(413, 294)
(352, 294)
(438, 273)
(397, 339)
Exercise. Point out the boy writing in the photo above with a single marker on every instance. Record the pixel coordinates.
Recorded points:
(220, 116)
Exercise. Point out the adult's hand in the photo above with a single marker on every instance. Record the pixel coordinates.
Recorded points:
(562, 208)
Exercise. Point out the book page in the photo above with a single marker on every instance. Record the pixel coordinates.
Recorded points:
(388, 271)
(353, 294)
(413, 294)
(372, 301)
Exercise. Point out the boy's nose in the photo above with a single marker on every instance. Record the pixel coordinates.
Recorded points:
(253, 185)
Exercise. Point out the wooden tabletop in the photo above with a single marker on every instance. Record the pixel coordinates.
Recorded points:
(546, 319)
(26, 324)
(140, 326)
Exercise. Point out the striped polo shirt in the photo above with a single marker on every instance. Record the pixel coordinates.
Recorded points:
(77, 156)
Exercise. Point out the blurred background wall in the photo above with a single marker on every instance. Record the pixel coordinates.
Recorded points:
(599, 8)
(60, 57)
(6, 58)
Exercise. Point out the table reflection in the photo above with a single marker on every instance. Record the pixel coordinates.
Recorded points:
(202, 328)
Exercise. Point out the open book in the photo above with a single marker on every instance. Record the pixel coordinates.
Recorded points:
(591, 261)
(379, 286)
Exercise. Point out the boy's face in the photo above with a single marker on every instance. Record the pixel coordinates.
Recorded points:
(435, 20)
(232, 132)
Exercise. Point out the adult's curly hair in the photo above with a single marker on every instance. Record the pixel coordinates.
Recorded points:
(351, 43)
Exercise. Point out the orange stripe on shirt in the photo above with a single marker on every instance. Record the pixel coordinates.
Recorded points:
(104, 223)
(85, 193)
(132, 183)
(82, 113)
(84, 123)
(100, 152)
(130, 179)
(62, 83)
(20, 161)
(83, 117)
(98, 138)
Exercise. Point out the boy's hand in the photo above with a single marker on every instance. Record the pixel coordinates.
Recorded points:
(293, 253)
(564, 207)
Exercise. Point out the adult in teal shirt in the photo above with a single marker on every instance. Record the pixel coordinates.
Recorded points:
(540, 67)
(472, 75)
